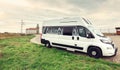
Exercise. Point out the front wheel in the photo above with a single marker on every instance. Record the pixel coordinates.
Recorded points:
(94, 52)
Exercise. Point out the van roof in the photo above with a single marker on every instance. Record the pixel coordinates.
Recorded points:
(67, 22)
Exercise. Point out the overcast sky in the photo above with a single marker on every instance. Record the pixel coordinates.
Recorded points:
(104, 14)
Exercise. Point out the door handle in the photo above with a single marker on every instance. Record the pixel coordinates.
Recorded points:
(77, 38)
(72, 38)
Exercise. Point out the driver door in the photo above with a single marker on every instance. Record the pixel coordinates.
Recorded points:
(83, 40)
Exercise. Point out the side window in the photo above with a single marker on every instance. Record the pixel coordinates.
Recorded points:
(67, 31)
(44, 30)
(54, 30)
(89, 34)
(75, 32)
(82, 31)
(60, 31)
(48, 30)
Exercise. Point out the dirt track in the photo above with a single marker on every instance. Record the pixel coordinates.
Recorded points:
(116, 40)
(36, 39)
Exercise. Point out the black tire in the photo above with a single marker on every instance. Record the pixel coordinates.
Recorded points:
(47, 44)
(94, 52)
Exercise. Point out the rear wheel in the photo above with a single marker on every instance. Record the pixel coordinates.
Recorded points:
(94, 52)
(48, 45)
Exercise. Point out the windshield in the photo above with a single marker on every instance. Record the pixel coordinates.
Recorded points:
(97, 32)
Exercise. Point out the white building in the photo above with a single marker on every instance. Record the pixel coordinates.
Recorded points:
(31, 31)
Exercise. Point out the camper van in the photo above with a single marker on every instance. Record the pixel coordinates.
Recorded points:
(77, 34)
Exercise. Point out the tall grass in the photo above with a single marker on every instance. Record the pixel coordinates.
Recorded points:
(20, 54)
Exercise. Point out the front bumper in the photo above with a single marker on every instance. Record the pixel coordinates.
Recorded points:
(110, 52)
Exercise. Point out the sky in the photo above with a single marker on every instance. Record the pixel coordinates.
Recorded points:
(104, 14)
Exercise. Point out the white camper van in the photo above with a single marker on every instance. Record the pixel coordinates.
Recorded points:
(77, 34)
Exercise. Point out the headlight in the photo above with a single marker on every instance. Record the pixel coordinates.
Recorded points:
(106, 41)
(109, 47)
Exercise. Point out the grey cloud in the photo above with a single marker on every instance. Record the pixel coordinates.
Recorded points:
(103, 12)
(84, 4)
(49, 2)
(34, 15)
(74, 6)
(87, 4)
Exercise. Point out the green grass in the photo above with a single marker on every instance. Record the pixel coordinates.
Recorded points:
(20, 54)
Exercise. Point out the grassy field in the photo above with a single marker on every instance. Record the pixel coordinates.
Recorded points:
(20, 54)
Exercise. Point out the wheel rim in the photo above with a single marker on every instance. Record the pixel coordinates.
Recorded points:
(94, 53)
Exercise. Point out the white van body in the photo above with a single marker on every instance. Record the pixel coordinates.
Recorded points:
(76, 34)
